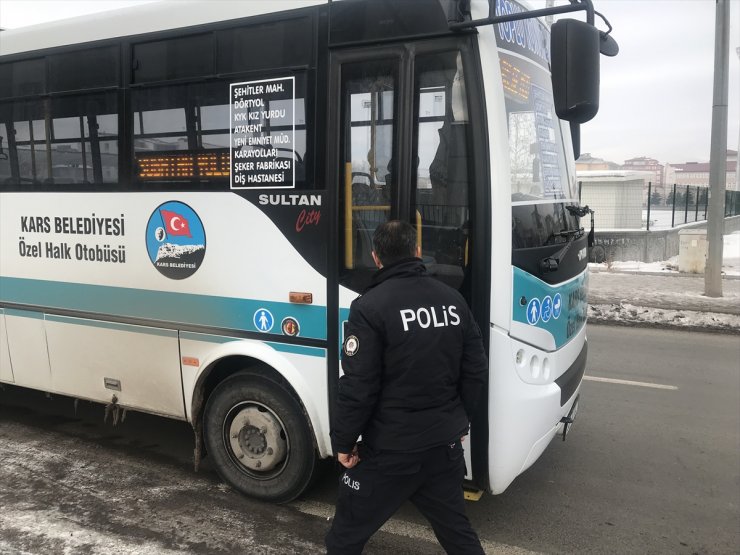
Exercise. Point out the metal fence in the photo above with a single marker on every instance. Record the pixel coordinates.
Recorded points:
(666, 208)
(690, 203)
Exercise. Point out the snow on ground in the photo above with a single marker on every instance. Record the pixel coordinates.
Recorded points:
(730, 261)
(667, 298)
(628, 314)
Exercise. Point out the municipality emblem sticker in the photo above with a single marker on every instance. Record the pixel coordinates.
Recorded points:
(175, 240)
(351, 346)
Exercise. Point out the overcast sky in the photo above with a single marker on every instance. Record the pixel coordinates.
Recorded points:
(656, 95)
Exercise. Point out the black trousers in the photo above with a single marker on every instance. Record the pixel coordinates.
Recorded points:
(371, 492)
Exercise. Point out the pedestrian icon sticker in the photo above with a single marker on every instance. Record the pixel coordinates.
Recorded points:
(263, 320)
(546, 310)
(557, 305)
(533, 311)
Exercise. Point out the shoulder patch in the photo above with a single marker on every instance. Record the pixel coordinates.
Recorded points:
(351, 345)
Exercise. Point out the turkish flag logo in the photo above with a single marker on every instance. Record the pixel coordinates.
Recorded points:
(175, 224)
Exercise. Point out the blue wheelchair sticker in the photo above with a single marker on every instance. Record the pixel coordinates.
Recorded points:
(546, 312)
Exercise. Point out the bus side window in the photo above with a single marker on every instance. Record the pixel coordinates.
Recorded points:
(83, 139)
(182, 133)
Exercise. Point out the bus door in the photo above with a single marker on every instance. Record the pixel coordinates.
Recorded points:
(368, 161)
(401, 151)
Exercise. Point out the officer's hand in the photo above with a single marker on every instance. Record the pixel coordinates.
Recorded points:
(348, 460)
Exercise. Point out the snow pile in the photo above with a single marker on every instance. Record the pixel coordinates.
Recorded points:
(730, 261)
(628, 314)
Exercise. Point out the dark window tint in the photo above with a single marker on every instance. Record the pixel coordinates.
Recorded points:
(182, 133)
(22, 78)
(272, 45)
(173, 59)
(87, 69)
(66, 140)
(536, 225)
(5, 175)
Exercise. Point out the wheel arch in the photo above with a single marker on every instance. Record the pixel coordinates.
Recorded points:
(234, 357)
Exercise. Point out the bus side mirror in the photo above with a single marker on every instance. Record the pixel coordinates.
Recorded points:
(576, 46)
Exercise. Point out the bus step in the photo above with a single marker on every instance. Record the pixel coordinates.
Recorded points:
(472, 494)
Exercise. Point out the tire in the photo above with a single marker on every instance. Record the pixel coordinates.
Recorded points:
(258, 439)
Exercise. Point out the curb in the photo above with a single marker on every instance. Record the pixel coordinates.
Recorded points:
(662, 325)
(658, 274)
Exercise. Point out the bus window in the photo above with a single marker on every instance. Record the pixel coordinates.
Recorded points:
(23, 78)
(368, 97)
(26, 142)
(442, 180)
(182, 133)
(5, 173)
(64, 140)
(84, 139)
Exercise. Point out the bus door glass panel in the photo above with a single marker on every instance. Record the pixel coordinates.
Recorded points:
(442, 209)
(367, 188)
(6, 370)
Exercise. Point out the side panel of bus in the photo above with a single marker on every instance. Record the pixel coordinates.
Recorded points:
(6, 368)
(109, 309)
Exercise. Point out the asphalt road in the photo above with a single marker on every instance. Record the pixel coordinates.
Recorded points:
(646, 469)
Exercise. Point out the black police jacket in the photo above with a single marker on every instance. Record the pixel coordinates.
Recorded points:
(414, 364)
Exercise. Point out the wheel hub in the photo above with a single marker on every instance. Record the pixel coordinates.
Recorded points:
(257, 438)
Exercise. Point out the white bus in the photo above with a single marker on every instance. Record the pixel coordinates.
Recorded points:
(188, 191)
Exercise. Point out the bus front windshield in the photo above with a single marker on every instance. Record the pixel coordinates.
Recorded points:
(536, 147)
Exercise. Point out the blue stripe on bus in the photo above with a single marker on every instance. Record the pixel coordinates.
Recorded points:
(573, 305)
(282, 347)
(298, 349)
(112, 326)
(166, 306)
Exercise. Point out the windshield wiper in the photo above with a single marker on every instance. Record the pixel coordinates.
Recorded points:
(567, 233)
(552, 262)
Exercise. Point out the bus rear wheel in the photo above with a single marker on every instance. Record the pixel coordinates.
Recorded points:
(258, 439)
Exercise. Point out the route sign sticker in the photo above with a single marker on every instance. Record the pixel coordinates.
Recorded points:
(557, 305)
(533, 311)
(546, 311)
(262, 132)
(263, 320)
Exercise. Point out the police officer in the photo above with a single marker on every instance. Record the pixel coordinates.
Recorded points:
(414, 366)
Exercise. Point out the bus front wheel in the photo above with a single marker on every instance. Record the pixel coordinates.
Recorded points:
(258, 438)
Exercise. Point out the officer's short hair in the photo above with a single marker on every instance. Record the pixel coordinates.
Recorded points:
(393, 241)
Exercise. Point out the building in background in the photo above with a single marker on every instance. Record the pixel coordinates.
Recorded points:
(617, 197)
(697, 173)
(586, 163)
(656, 169)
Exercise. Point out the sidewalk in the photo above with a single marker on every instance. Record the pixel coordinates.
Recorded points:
(667, 300)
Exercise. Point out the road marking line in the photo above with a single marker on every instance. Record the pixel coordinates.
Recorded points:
(404, 528)
(629, 382)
